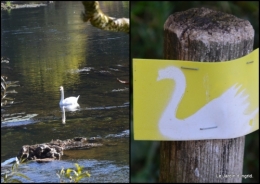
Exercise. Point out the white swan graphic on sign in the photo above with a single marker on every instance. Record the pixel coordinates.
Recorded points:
(223, 117)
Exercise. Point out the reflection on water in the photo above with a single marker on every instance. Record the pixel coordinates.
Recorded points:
(51, 47)
(67, 108)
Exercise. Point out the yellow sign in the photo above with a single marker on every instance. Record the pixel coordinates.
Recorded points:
(184, 100)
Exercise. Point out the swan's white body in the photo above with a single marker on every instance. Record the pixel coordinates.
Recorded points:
(70, 101)
(223, 117)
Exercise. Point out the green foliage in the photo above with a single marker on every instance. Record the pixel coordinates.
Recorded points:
(8, 4)
(148, 17)
(12, 177)
(77, 174)
(5, 85)
(251, 158)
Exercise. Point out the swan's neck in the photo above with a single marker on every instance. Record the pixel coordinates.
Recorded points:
(62, 96)
(178, 92)
(169, 125)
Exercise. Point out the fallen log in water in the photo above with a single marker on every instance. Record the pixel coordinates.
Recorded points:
(46, 152)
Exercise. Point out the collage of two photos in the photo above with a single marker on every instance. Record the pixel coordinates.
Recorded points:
(129, 91)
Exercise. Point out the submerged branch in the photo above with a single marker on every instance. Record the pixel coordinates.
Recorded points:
(98, 19)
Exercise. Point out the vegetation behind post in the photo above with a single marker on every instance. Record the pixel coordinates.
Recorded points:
(201, 34)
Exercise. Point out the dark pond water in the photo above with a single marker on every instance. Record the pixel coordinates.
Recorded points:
(49, 47)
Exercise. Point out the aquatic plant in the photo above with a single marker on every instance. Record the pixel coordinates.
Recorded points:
(8, 4)
(6, 84)
(12, 177)
(78, 174)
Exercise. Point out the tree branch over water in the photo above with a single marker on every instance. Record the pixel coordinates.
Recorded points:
(98, 19)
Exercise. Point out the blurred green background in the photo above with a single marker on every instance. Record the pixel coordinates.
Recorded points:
(147, 20)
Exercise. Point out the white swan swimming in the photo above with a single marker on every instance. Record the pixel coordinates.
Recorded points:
(223, 117)
(70, 101)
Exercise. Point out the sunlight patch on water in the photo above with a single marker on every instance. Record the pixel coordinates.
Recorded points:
(17, 119)
(108, 107)
(85, 69)
(119, 90)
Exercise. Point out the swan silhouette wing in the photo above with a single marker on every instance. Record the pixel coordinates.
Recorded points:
(226, 115)
(223, 117)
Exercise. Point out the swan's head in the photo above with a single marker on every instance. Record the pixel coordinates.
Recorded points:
(61, 88)
(169, 72)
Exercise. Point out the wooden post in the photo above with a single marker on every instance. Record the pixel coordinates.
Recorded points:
(201, 34)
